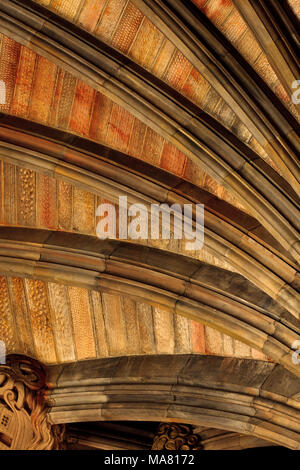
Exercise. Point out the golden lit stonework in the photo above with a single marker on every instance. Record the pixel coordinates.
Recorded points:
(24, 423)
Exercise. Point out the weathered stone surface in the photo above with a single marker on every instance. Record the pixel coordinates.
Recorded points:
(218, 392)
(24, 423)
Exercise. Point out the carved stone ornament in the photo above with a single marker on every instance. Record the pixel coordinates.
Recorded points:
(171, 436)
(24, 423)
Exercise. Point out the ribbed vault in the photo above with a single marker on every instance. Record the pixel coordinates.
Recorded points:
(162, 101)
(201, 138)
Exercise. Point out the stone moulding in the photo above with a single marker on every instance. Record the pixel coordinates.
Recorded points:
(211, 295)
(276, 33)
(222, 155)
(250, 397)
(229, 233)
(228, 72)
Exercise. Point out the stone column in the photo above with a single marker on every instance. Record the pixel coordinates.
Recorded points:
(173, 436)
(24, 423)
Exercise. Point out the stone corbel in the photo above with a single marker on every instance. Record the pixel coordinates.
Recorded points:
(24, 421)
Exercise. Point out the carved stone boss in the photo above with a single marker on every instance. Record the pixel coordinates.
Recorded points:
(173, 436)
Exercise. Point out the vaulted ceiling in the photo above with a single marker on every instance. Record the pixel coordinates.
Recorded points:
(163, 101)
